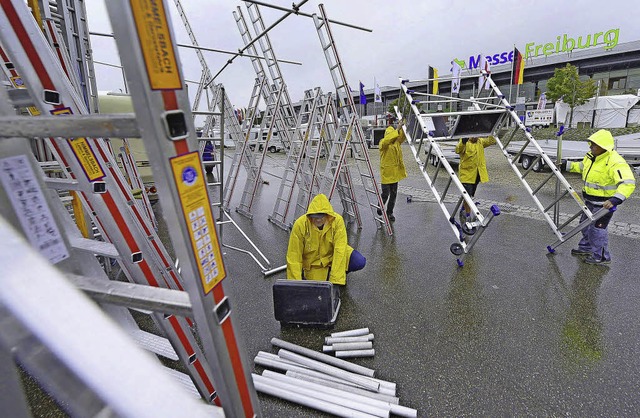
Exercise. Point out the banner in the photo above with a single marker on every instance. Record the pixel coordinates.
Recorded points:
(456, 70)
(363, 98)
(542, 101)
(482, 80)
(433, 80)
(517, 69)
(377, 95)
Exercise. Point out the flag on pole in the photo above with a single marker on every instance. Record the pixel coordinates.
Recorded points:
(542, 101)
(518, 67)
(482, 80)
(456, 71)
(433, 80)
(363, 98)
(377, 95)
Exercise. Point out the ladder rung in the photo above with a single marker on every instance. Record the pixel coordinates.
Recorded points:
(95, 247)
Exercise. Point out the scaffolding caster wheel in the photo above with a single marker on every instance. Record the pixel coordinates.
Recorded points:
(456, 248)
(460, 263)
(551, 249)
(467, 230)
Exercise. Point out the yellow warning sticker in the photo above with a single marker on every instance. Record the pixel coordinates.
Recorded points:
(87, 158)
(157, 47)
(192, 190)
(83, 151)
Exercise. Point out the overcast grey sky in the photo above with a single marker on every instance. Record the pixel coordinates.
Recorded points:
(408, 35)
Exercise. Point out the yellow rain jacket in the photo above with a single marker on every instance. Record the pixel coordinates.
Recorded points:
(607, 176)
(472, 161)
(392, 168)
(320, 253)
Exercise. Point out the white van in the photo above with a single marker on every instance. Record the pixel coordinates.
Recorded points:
(275, 144)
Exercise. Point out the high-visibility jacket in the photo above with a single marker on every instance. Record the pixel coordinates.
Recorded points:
(606, 176)
(472, 161)
(320, 253)
(392, 168)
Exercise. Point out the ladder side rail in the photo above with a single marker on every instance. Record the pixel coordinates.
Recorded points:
(171, 138)
(111, 199)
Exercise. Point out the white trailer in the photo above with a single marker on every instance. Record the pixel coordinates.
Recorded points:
(628, 146)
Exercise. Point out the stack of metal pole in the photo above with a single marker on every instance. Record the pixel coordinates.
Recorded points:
(352, 343)
(327, 383)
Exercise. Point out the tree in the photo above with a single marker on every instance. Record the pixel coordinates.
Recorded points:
(566, 85)
(402, 104)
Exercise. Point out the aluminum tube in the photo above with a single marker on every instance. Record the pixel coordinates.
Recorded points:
(358, 339)
(330, 370)
(323, 395)
(351, 333)
(333, 383)
(322, 388)
(350, 346)
(279, 365)
(386, 388)
(355, 353)
(323, 357)
(265, 386)
(274, 270)
(275, 357)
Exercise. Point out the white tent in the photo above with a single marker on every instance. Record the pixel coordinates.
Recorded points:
(603, 111)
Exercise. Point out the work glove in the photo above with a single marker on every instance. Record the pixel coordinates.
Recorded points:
(464, 140)
(565, 165)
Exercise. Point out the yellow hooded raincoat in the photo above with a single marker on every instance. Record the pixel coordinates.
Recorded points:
(606, 176)
(392, 168)
(472, 161)
(320, 253)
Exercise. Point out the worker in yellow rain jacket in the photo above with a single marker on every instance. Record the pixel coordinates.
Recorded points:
(392, 168)
(318, 248)
(608, 181)
(472, 169)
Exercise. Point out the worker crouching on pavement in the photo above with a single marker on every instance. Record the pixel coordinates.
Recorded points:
(318, 248)
(608, 181)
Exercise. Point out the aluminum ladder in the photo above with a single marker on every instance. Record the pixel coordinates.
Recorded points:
(349, 120)
(96, 175)
(442, 180)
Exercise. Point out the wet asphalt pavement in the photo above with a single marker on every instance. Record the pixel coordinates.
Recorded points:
(514, 332)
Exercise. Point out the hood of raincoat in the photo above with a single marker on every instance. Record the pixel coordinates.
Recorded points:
(603, 139)
(321, 204)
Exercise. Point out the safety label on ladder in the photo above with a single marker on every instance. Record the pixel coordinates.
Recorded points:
(83, 151)
(192, 191)
(29, 204)
(156, 44)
